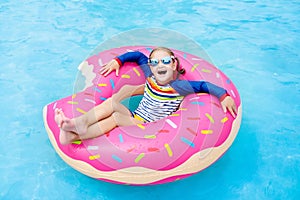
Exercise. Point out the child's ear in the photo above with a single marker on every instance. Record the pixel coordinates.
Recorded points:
(175, 64)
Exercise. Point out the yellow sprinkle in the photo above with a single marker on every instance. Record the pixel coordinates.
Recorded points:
(80, 110)
(77, 142)
(194, 67)
(206, 70)
(139, 157)
(206, 131)
(136, 71)
(73, 96)
(182, 109)
(150, 136)
(169, 150)
(102, 84)
(125, 76)
(224, 120)
(72, 102)
(174, 115)
(210, 118)
(141, 126)
(94, 157)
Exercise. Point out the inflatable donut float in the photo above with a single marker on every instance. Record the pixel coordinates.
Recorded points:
(172, 148)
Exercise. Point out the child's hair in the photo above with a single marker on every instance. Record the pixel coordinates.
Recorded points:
(179, 69)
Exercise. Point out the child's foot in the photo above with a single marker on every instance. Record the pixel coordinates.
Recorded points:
(67, 137)
(58, 117)
(70, 125)
(76, 125)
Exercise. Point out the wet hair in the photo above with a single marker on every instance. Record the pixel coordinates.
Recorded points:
(179, 69)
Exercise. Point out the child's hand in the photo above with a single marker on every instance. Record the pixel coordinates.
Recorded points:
(228, 104)
(109, 67)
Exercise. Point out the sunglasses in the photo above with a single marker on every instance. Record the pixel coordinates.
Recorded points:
(166, 61)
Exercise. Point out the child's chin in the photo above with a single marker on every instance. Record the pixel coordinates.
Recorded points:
(163, 81)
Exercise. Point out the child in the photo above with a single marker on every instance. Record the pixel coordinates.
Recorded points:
(162, 94)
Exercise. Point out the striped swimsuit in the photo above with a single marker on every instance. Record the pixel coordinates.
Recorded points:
(158, 101)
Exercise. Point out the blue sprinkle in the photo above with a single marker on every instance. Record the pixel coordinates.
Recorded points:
(116, 158)
(121, 138)
(228, 81)
(97, 89)
(183, 139)
(149, 49)
(103, 98)
(200, 103)
(112, 83)
(184, 55)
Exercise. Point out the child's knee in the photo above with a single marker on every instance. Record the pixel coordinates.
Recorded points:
(117, 118)
(122, 119)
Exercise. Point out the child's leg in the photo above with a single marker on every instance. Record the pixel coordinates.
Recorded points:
(101, 127)
(109, 106)
(80, 124)
(106, 125)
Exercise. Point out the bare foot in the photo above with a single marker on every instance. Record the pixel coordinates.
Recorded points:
(58, 117)
(67, 137)
(76, 125)
(61, 119)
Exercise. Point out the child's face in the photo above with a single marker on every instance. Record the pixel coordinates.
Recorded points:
(163, 73)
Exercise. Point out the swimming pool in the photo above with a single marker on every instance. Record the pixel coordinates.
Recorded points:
(255, 43)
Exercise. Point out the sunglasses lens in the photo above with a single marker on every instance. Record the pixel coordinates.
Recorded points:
(153, 62)
(166, 60)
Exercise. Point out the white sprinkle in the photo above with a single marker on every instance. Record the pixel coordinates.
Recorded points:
(194, 98)
(54, 106)
(100, 62)
(129, 50)
(233, 94)
(217, 74)
(93, 147)
(171, 123)
(90, 100)
(197, 59)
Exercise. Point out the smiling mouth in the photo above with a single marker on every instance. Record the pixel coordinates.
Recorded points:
(162, 72)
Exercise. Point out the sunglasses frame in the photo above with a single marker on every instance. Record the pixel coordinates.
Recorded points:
(161, 60)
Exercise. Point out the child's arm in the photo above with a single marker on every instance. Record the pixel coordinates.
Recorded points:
(184, 88)
(134, 56)
(115, 64)
(188, 87)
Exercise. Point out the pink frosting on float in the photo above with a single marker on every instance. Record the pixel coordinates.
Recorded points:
(199, 124)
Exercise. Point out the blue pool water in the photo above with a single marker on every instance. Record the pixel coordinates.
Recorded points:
(256, 43)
